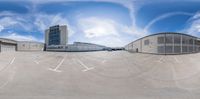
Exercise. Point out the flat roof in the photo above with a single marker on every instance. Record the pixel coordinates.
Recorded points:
(6, 40)
(30, 42)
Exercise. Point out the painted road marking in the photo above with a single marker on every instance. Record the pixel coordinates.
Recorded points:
(12, 61)
(35, 59)
(8, 65)
(82, 64)
(36, 62)
(160, 60)
(10, 78)
(103, 61)
(178, 61)
(56, 68)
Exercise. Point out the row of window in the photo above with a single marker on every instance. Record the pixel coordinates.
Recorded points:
(174, 39)
(54, 38)
(178, 49)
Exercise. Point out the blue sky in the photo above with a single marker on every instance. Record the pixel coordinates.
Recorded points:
(105, 22)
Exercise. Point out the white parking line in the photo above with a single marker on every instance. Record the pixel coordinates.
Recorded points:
(10, 79)
(178, 61)
(103, 61)
(36, 62)
(82, 64)
(12, 61)
(160, 60)
(56, 68)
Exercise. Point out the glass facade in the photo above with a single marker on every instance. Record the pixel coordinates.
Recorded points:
(174, 43)
(54, 35)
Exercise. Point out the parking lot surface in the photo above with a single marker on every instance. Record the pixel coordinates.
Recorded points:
(98, 75)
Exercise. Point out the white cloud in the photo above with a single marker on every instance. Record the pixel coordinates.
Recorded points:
(98, 27)
(193, 25)
(107, 32)
(1, 28)
(44, 21)
(94, 27)
(166, 15)
(18, 37)
(110, 41)
(7, 21)
(14, 20)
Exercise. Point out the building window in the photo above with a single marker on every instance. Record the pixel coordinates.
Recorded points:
(184, 49)
(169, 39)
(185, 40)
(169, 49)
(146, 42)
(191, 41)
(54, 36)
(177, 49)
(161, 40)
(177, 39)
(190, 49)
(161, 49)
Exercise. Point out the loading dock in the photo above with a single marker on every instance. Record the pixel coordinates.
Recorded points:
(7, 45)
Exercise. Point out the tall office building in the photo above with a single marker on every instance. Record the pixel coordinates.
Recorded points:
(56, 36)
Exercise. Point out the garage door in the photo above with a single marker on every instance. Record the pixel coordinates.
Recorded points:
(8, 48)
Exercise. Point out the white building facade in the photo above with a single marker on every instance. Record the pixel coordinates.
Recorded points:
(29, 46)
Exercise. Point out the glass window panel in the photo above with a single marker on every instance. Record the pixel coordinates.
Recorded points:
(184, 49)
(177, 39)
(169, 49)
(191, 41)
(191, 49)
(177, 49)
(169, 39)
(161, 49)
(161, 40)
(185, 40)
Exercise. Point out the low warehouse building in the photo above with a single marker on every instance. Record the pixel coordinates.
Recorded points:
(81, 46)
(7, 45)
(30, 46)
(165, 43)
(77, 47)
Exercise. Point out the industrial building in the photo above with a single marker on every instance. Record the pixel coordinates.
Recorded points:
(81, 46)
(7, 45)
(29, 46)
(78, 47)
(165, 43)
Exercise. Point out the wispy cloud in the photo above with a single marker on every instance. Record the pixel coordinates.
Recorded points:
(106, 31)
(193, 25)
(44, 21)
(1, 28)
(18, 37)
(36, 22)
(95, 27)
(166, 15)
